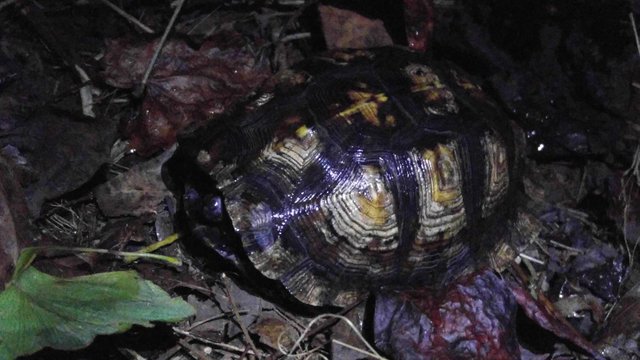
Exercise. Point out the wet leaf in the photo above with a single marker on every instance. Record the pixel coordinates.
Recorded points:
(419, 20)
(274, 331)
(344, 29)
(55, 153)
(472, 318)
(187, 86)
(38, 310)
(347, 335)
(14, 221)
(136, 192)
(619, 339)
(542, 312)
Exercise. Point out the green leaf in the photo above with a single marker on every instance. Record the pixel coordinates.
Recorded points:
(39, 310)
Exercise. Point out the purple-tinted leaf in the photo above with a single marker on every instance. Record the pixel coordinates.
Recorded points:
(588, 262)
(622, 331)
(473, 318)
(542, 312)
(14, 221)
(55, 154)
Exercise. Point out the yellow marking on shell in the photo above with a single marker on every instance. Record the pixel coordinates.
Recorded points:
(426, 81)
(374, 208)
(390, 121)
(421, 85)
(302, 131)
(372, 204)
(439, 157)
(467, 85)
(366, 104)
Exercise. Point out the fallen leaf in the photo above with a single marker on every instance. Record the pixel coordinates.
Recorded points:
(621, 335)
(542, 312)
(38, 310)
(137, 191)
(56, 153)
(419, 19)
(345, 29)
(14, 221)
(347, 335)
(274, 332)
(187, 86)
(473, 318)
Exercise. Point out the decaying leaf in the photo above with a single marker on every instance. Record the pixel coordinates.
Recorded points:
(419, 21)
(38, 310)
(542, 312)
(136, 192)
(473, 318)
(56, 153)
(274, 332)
(187, 87)
(344, 29)
(620, 338)
(13, 221)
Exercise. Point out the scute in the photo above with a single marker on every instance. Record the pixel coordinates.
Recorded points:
(383, 169)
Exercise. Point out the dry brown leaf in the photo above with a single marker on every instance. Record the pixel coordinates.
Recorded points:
(344, 29)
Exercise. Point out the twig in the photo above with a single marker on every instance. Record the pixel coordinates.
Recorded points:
(6, 3)
(298, 36)
(635, 31)
(236, 313)
(290, 353)
(168, 259)
(224, 346)
(197, 353)
(202, 21)
(566, 247)
(160, 45)
(129, 18)
(214, 318)
(627, 189)
(531, 258)
(86, 97)
(348, 346)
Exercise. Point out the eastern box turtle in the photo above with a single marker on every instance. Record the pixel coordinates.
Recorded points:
(367, 169)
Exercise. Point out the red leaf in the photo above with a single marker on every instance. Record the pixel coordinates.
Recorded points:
(419, 19)
(344, 29)
(473, 318)
(187, 86)
(542, 312)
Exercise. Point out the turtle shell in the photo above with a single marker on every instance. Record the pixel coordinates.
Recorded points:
(366, 169)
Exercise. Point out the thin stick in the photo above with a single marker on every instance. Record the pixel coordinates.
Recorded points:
(168, 259)
(86, 97)
(298, 36)
(531, 258)
(635, 31)
(291, 352)
(213, 343)
(129, 18)
(364, 352)
(214, 318)
(236, 314)
(160, 45)
(561, 245)
(6, 3)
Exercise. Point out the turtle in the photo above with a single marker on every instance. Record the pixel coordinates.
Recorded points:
(361, 170)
